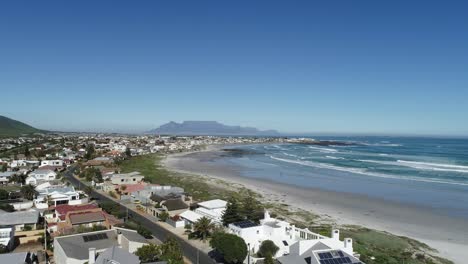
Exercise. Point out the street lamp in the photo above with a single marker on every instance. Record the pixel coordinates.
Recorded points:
(248, 256)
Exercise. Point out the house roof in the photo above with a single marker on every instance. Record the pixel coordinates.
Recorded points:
(212, 204)
(14, 258)
(133, 187)
(75, 246)
(132, 235)
(115, 254)
(18, 218)
(175, 204)
(83, 218)
(63, 209)
(190, 216)
(41, 171)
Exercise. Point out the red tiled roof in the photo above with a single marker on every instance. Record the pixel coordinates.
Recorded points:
(63, 209)
(133, 187)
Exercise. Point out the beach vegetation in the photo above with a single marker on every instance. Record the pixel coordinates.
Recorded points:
(163, 216)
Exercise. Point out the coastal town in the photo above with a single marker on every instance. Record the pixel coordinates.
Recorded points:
(66, 199)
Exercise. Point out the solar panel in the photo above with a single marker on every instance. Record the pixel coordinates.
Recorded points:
(94, 237)
(333, 257)
(245, 224)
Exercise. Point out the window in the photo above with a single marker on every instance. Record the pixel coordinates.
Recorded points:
(134, 179)
(122, 180)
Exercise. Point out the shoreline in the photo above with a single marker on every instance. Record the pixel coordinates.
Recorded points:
(445, 234)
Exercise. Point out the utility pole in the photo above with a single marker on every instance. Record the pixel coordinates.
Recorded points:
(45, 241)
(198, 256)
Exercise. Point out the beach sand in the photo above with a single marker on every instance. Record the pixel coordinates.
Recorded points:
(447, 235)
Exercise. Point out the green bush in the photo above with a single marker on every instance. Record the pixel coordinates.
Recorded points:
(231, 247)
(267, 248)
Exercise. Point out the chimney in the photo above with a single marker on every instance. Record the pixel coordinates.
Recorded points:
(92, 256)
(335, 234)
(266, 215)
(348, 244)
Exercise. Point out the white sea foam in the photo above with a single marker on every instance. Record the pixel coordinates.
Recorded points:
(325, 150)
(333, 157)
(422, 165)
(367, 173)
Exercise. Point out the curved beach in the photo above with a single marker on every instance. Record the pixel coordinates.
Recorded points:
(448, 235)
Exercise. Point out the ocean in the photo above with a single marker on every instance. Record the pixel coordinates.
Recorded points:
(428, 172)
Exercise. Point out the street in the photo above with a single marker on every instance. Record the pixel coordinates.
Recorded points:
(189, 251)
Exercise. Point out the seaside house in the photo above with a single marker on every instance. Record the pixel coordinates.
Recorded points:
(54, 163)
(5, 176)
(85, 247)
(212, 209)
(285, 235)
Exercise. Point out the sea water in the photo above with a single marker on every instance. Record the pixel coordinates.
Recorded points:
(431, 172)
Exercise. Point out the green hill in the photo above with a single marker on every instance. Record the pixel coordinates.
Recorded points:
(10, 127)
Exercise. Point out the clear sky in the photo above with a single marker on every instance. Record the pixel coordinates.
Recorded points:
(295, 66)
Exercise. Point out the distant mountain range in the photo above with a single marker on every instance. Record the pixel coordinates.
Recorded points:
(11, 127)
(212, 128)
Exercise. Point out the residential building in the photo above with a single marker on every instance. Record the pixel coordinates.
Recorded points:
(282, 233)
(112, 255)
(321, 251)
(7, 236)
(5, 176)
(82, 248)
(17, 258)
(40, 175)
(212, 209)
(20, 220)
(53, 195)
(127, 178)
(54, 163)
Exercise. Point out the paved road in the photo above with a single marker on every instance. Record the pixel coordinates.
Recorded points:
(190, 252)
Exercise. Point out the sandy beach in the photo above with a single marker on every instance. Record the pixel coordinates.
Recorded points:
(446, 234)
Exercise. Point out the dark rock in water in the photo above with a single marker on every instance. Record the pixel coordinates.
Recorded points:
(238, 152)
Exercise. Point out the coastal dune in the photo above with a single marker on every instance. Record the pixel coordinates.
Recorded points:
(448, 235)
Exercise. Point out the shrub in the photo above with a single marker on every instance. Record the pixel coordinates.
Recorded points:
(267, 248)
(231, 247)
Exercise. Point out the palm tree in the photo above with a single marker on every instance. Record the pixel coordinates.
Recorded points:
(203, 228)
(28, 192)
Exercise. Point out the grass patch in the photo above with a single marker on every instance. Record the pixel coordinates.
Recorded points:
(198, 186)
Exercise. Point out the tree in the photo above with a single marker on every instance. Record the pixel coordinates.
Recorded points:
(203, 228)
(251, 209)
(4, 195)
(148, 253)
(128, 152)
(18, 179)
(171, 252)
(231, 247)
(267, 248)
(232, 213)
(89, 151)
(144, 232)
(4, 168)
(268, 260)
(7, 207)
(27, 153)
(163, 216)
(28, 192)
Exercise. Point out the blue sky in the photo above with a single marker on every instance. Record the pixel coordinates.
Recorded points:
(295, 66)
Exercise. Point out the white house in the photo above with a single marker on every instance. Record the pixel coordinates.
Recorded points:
(57, 163)
(5, 176)
(321, 251)
(127, 178)
(282, 233)
(39, 175)
(213, 209)
(7, 235)
(24, 163)
(57, 194)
